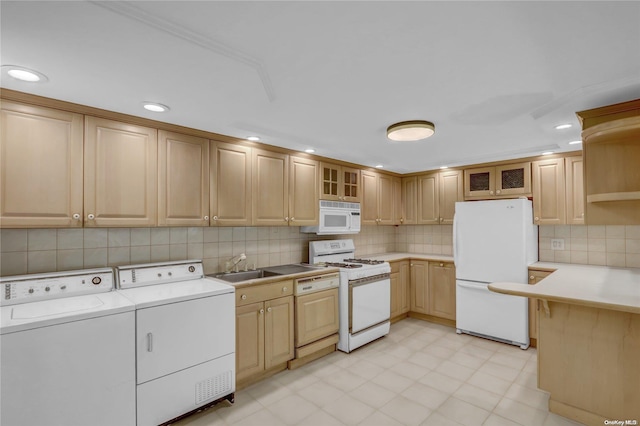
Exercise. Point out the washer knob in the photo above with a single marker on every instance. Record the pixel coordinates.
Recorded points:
(192, 268)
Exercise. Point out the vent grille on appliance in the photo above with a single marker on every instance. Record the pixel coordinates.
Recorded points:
(339, 204)
(214, 387)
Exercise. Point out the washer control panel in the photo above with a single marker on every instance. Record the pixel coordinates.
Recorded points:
(31, 288)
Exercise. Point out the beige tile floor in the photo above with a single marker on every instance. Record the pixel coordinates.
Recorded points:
(420, 374)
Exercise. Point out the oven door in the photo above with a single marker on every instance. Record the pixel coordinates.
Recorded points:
(369, 302)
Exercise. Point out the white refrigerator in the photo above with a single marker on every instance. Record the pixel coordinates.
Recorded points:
(493, 241)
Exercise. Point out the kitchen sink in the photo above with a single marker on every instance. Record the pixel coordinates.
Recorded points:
(236, 277)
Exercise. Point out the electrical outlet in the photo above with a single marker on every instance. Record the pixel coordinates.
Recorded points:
(557, 244)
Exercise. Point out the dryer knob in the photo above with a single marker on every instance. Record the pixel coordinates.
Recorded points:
(96, 280)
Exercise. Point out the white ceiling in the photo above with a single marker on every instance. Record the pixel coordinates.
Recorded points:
(494, 77)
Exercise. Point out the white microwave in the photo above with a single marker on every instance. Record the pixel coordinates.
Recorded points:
(336, 217)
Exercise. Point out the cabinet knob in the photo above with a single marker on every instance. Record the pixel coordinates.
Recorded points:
(284, 289)
(531, 277)
(269, 309)
(441, 219)
(490, 192)
(286, 219)
(91, 216)
(76, 216)
(292, 219)
(206, 218)
(261, 311)
(536, 218)
(243, 297)
(442, 264)
(215, 218)
(498, 191)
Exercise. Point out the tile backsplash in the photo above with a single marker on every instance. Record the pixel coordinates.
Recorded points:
(608, 245)
(25, 251)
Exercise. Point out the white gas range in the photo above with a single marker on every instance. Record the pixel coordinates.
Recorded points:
(365, 292)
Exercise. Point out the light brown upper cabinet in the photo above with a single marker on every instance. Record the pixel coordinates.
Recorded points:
(611, 151)
(409, 214)
(230, 201)
(558, 194)
(303, 191)
(339, 183)
(270, 189)
(549, 192)
(183, 180)
(120, 174)
(396, 182)
(503, 181)
(437, 194)
(377, 199)
(574, 184)
(40, 167)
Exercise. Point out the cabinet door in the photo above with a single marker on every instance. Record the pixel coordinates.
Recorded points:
(303, 191)
(369, 208)
(279, 332)
(330, 182)
(41, 167)
(574, 180)
(400, 280)
(428, 201)
(405, 282)
(386, 209)
(548, 192)
(442, 290)
(350, 184)
(250, 340)
(395, 296)
(317, 316)
(397, 200)
(479, 182)
(230, 184)
(420, 286)
(270, 188)
(120, 174)
(513, 179)
(409, 201)
(183, 180)
(451, 191)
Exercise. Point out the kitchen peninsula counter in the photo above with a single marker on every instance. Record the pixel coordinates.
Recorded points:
(588, 340)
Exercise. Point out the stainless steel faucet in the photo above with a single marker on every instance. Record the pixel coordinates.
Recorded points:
(233, 262)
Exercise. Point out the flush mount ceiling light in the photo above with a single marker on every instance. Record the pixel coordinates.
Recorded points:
(24, 74)
(410, 130)
(253, 138)
(547, 153)
(379, 166)
(310, 151)
(575, 142)
(155, 107)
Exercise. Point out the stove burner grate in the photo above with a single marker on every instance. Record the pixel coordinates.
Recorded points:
(365, 261)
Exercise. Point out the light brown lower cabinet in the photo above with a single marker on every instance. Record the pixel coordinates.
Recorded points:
(433, 289)
(264, 330)
(317, 316)
(535, 275)
(400, 280)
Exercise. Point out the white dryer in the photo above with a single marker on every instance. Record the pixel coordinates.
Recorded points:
(67, 350)
(185, 338)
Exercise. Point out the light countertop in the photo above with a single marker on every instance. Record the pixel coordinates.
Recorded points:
(392, 257)
(595, 286)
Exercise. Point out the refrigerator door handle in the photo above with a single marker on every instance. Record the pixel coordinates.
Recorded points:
(473, 287)
(455, 241)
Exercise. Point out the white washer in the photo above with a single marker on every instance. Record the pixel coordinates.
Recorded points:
(185, 338)
(67, 350)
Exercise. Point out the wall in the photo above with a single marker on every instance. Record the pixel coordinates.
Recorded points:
(25, 251)
(592, 245)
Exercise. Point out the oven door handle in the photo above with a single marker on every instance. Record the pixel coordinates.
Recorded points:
(369, 280)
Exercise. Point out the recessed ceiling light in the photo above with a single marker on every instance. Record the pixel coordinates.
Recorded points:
(24, 74)
(155, 107)
(575, 142)
(379, 166)
(406, 131)
(563, 126)
(253, 138)
(444, 167)
(310, 150)
(547, 153)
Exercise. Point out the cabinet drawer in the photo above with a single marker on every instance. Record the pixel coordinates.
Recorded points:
(259, 293)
